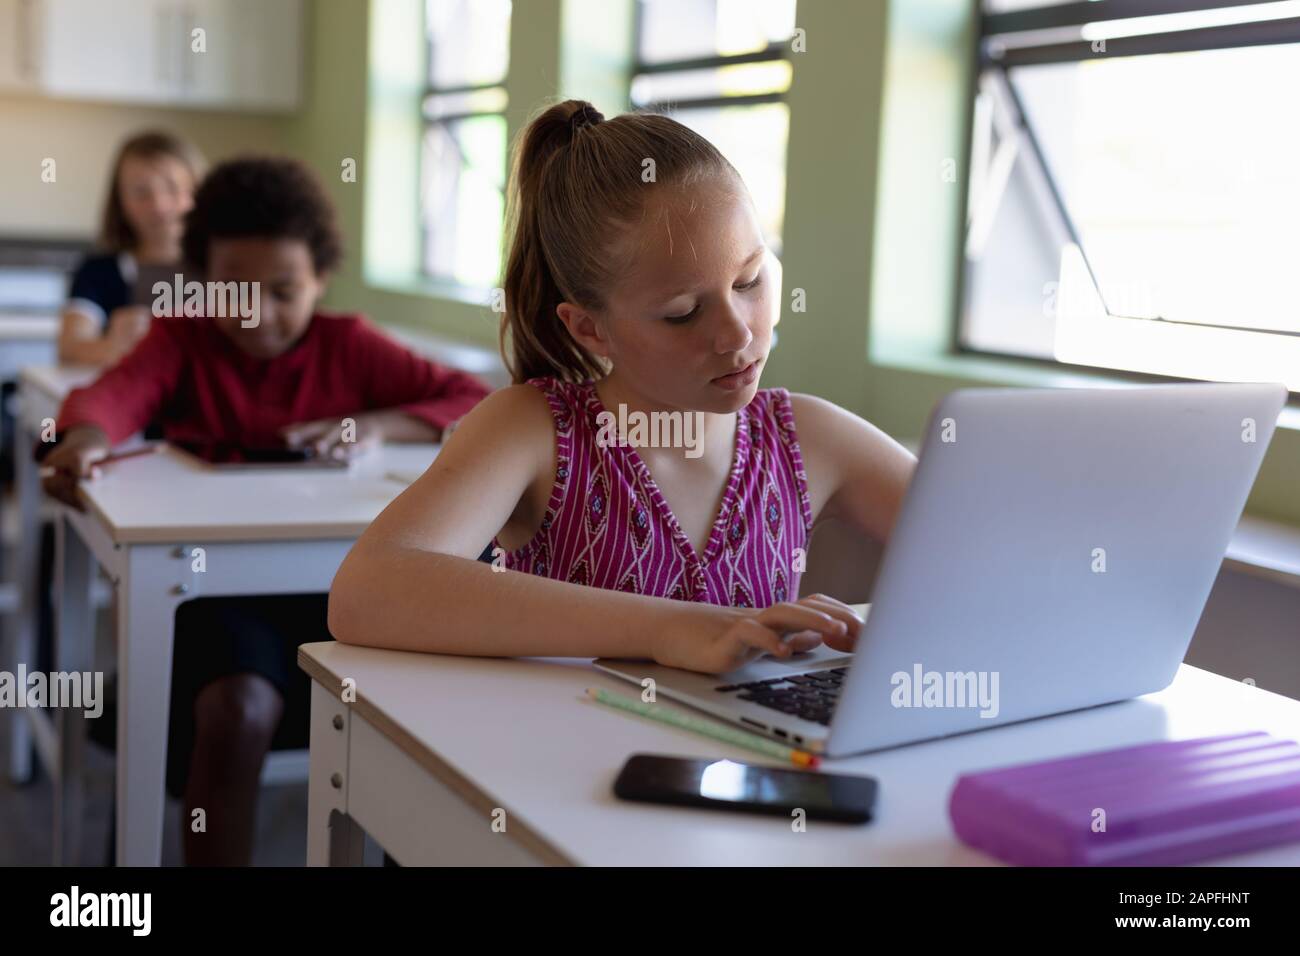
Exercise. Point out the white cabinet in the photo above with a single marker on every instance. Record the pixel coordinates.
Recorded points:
(253, 53)
(114, 50)
(19, 27)
(219, 54)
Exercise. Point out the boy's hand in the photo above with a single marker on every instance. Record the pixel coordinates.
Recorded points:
(344, 437)
(736, 636)
(73, 460)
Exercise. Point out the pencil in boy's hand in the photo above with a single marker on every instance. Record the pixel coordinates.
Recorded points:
(47, 471)
(133, 453)
(707, 728)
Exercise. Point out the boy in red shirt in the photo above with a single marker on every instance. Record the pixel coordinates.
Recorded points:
(287, 376)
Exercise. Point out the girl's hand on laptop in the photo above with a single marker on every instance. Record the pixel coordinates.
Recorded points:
(72, 460)
(735, 636)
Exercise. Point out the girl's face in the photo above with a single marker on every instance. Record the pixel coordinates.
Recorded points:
(689, 324)
(156, 193)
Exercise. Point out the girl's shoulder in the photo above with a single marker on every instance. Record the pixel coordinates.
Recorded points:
(831, 435)
(567, 401)
(821, 424)
(101, 263)
(568, 392)
(816, 414)
(544, 405)
(98, 279)
(523, 402)
(511, 423)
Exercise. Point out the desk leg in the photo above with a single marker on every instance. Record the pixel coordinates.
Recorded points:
(74, 654)
(24, 572)
(147, 599)
(333, 838)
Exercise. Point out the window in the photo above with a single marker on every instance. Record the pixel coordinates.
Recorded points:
(1134, 201)
(463, 168)
(720, 67)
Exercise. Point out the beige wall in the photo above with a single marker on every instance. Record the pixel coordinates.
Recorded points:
(82, 138)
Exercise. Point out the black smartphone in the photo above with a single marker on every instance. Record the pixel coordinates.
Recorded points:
(228, 455)
(278, 455)
(729, 785)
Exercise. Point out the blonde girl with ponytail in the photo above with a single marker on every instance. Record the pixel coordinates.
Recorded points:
(637, 288)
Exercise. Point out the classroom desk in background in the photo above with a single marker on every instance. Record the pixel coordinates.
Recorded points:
(433, 748)
(41, 391)
(276, 531)
(27, 340)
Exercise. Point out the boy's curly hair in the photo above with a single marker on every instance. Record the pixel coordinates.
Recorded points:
(263, 197)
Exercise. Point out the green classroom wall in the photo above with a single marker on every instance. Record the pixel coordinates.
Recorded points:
(878, 103)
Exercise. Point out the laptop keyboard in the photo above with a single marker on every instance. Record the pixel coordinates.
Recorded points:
(812, 696)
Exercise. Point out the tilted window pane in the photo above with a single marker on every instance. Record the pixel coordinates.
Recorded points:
(464, 204)
(1179, 171)
(469, 42)
(754, 139)
(684, 29)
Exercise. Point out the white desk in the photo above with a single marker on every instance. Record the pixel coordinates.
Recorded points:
(279, 531)
(42, 388)
(40, 392)
(24, 341)
(433, 745)
(27, 340)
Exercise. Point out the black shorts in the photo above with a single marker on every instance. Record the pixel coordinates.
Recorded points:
(219, 637)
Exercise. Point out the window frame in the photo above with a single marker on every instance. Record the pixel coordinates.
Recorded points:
(427, 125)
(771, 53)
(775, 52)
(993, 56)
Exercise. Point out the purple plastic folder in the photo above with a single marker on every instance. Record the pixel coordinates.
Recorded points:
(1151, 805)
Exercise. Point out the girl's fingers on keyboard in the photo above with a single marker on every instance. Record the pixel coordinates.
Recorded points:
(789, 616)
(835, 608)
(752, 632)
(801, 641)
(847, 640)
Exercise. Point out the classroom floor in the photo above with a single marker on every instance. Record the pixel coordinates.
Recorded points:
(281, 821)
(26, 838)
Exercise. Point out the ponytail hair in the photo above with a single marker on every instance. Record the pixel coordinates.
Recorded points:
(575, 179)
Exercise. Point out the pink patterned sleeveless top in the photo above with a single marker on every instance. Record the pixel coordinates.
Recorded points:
(607, 524)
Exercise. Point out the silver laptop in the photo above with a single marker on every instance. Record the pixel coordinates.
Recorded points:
(1054, 551)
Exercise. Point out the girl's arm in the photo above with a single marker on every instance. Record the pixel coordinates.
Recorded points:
(80, 342)
(856, 472)
(411, 582)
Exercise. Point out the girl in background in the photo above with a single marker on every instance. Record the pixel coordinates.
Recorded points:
(628, 297)
(152, 187)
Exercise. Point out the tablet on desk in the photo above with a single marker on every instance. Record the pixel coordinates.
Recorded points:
(228, 456)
